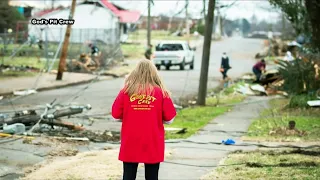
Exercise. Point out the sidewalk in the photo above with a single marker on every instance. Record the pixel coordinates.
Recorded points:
(184, 161)
(193, 161)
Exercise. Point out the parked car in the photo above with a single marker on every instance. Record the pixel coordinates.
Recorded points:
(174, 53)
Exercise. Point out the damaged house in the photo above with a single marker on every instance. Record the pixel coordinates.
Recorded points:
(94, 21)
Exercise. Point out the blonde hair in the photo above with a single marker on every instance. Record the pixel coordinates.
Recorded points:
(143, 79)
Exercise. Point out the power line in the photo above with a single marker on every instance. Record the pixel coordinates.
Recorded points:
(40, 73)
(78, 93)
(11, 100)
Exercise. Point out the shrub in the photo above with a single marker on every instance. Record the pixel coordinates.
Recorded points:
(300, 101)
(299, 77)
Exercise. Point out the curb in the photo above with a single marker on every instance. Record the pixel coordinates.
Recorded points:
(58, 86)
(115, 75)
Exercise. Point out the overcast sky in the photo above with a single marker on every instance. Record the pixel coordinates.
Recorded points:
(241, 9)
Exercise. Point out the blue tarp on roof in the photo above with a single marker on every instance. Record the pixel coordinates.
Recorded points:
(21, 10)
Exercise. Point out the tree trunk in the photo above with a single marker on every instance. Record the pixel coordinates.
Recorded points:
(313, 9)
(149, 23)
(187, 21)
(202, 93)
(63, 57)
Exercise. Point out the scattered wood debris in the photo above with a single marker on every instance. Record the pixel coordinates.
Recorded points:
(176, 130)
(64, 152)
(285, 131)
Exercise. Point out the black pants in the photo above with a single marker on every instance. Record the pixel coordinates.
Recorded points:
(224, 73)
(257, 72)
(130, 171)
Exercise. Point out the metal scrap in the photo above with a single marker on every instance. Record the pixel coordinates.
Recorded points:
(245, 90)
(176, 130)
(315, 103)
(25, 92)
(269, 84)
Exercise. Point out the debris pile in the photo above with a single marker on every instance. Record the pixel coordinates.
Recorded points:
(85, 64)
(284, 131)
(84, 135)
(51, 125)
(277, 47)
(4, 68)
(270, 84)
(291, 130)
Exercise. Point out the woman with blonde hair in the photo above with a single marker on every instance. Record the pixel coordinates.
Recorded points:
(143, 106)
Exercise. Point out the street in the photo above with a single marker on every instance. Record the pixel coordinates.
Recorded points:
(181, 83)
(63, 64)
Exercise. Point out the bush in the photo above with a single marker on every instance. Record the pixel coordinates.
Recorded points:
(300, 101)
(299, 77)
(201, 29)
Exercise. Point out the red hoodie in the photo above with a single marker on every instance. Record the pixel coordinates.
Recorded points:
(142, 131)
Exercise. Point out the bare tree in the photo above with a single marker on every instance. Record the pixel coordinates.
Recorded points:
(313, 8)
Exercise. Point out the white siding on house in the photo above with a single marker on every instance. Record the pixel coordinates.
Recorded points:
(91, 23)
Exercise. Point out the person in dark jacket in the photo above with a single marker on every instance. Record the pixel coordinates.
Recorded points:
(148, 52)
(258, 68)
(225, 66)
(94, 53)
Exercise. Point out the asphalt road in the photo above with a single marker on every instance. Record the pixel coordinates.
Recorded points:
(101, 94)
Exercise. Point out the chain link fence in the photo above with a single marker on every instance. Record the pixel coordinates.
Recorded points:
(42, 44)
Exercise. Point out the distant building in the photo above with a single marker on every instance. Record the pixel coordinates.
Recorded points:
(23, 8)
(94, 21)
(163, 23)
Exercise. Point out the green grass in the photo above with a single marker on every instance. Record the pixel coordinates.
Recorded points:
(270, 165)
(133, 51)
(223, 100)
(278, 116)
(271, 58)
(130, 51)
(137, 49)
(15, 74)
(301, 101)
(227, 96)
(28, 61)
(141, 34)
(24, 61)
(194, 118)
(73, 49)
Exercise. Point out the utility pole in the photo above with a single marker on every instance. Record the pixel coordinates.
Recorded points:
(52, 4)
(46, 48)
(149, 22)
(64, 52)
(218, 28)
(206, 54)
(283, 25)
(187, 21)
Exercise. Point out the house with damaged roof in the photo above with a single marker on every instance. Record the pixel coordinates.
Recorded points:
(98, 20)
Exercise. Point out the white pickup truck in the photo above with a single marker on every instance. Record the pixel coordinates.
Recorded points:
(174, 53)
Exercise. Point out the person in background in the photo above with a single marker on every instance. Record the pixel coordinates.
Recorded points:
(258, 69)
(225, 66)
(148, 53)
(288, 57)
(94, 53)
(143, 105)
